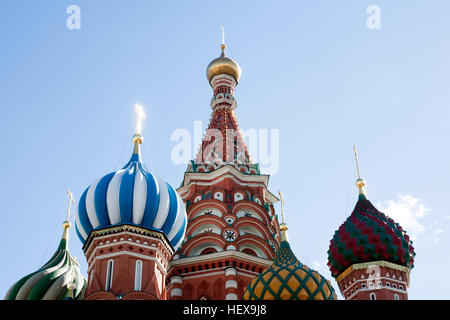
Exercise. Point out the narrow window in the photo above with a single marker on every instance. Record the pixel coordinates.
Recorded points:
(109, 275)
(138, 276)
(373, 296)
(396, 297)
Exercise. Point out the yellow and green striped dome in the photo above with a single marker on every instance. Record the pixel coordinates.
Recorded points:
(288, 279)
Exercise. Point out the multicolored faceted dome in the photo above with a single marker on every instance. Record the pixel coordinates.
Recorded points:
(288, 279)
(132, 195)
(369, 235)
(58, 279)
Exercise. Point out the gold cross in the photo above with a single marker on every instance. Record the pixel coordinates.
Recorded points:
(71, 199)
(282, 204)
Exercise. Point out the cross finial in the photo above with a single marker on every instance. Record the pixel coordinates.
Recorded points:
(356, 159)
(140, 117)
(360, 183)
(282, 204)
(71, 200)
(223, 34)
(223, 46)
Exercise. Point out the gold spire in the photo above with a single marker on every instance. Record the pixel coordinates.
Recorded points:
(283, 225)
(66, 224)
(360, 183)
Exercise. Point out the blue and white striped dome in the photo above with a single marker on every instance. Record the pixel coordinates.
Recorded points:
(132, 195)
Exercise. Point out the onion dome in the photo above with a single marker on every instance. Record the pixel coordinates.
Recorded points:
(134, 196)
(223, 65)
(368, 235)
(288, 279)
(58, 279)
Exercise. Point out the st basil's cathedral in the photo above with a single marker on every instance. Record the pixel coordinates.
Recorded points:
(216, 237)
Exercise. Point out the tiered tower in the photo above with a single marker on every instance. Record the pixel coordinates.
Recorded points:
(232, 230)
(370, 255)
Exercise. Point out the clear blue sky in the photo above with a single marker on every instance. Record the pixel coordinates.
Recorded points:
(311, 69)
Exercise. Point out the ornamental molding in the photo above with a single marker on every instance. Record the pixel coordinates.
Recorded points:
(227, 171)
(365, 265)
(161, 268)
(219, 255)
(130, 228)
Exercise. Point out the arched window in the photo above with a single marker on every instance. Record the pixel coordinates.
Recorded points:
(138, 276)
(250, 252)
(109, 275)
(396, 297)
(394, 286)
(238, 196)
(208, 250)
(373, 296)
(218, 196)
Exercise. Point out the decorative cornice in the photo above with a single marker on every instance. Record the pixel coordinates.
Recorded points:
(130, 228)
(219, 255)
(227, 171)
(365, 265)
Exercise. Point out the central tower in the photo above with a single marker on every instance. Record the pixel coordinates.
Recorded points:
(232, 231)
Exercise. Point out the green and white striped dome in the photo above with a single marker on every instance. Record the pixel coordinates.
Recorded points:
(58, 279)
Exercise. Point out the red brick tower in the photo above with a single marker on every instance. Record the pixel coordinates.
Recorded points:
(232, 230)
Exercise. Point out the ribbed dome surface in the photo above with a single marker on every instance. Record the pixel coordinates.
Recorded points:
(369, 235)
(51, 280)
(288, 279)
(133, 196)
(223, 65)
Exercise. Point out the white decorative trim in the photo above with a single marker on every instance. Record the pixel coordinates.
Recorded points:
(176, 292)
(227, 171)
(115, 254)
(373, 280)
(221, 254)
(230, 284)
(204, 273)
(231, 296)
(176, 279)
(230, 272)
(153, 248)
